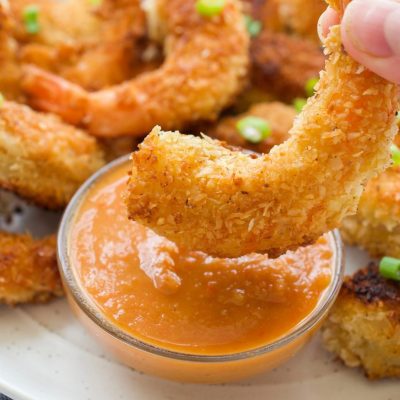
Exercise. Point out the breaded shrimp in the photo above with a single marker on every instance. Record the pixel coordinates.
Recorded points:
(298, 17)
(205, 197)
(10, 70)
(43, 159)
(279, 117)
(376, 226)
(92, 46)
(363, 327)
(281, 64)
(28, 269)
(206, 61)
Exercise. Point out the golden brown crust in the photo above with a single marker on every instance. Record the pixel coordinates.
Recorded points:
(43, 159)
(205, 67)
(274, 202)
(28, 269)
(281, 64)
(363, 328)
(92, 46)
(376, 226)
(279, 117)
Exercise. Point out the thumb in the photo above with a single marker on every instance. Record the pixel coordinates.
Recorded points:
(371, 34)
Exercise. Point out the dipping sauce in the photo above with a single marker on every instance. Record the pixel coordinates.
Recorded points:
(187, 301)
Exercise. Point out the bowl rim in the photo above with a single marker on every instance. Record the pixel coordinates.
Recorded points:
(89, 308)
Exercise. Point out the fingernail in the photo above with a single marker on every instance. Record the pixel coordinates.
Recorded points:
(365, 23)
(392, 31)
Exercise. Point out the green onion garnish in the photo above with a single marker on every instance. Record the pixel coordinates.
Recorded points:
(31, 19)
(299, 103)
(253, 129)
(310, 85)
(253, 26)
(209, 8)
(395, 155)
(389, 267)
(1, 100)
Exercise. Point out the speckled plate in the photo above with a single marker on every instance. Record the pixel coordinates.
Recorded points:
(45, 354)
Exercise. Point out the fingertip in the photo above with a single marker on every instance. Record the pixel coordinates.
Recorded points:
(328, 18)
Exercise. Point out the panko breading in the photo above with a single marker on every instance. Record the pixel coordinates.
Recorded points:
(41, 158)
(279, 117)
(92, 46)
(28, 269)
(205, 67)
(376, 226)
(282, 64)
(205, 197)
(363, 328)
(297, 17)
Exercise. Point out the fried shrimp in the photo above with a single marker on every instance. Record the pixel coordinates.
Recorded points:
(376, 226)
(91, 46)
(28, 269)
(43, 159)
(206, 60)
(278, 116)
(206, 197)
(281, 64)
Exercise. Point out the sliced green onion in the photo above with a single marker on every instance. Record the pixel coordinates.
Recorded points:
(209, 8)
(253, 26)
(299, 103)
(395, 155)
(389, 267)
(253, 129)
(31, 19)
(2, 99)
(310, 85)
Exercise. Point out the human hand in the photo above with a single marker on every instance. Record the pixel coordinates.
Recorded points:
(371, 34)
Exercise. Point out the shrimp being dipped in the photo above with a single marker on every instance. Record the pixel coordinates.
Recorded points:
(28, 269)
(42, 159)
(206, 197)
(206, 62)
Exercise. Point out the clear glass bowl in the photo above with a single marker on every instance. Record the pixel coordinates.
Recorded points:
(180, 366)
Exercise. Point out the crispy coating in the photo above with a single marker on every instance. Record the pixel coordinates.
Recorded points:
(206, 61)
(43, 159)
(28, 269)
(376, 226)
(278, 201)
(282, 64)
(363, 328)
(279, 117)
(10, 71)
(91, 46)
(297, 17)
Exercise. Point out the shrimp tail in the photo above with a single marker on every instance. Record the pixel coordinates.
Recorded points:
(55, 95)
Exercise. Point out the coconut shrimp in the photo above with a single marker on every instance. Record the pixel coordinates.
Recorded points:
(203, 196)
(278, 116)
(92, 46)
(43, 159)
(28, 269)
(206, 60)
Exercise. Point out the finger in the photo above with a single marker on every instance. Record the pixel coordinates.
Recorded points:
(328, 18)
(371, 32)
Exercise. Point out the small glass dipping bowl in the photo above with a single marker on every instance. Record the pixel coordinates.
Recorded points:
(175, 365)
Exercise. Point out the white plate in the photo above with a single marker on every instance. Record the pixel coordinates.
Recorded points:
(45, 354)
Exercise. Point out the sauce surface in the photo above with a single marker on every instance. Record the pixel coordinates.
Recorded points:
(187, 301)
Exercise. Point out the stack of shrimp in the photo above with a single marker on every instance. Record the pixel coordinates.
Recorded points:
(102, 71)
(93, 85)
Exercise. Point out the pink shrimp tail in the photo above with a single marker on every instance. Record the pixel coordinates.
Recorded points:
(51, 93)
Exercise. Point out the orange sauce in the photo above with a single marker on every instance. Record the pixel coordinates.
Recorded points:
(188, 301)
